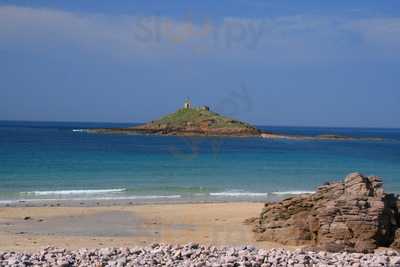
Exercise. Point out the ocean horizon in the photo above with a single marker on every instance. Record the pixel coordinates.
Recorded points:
(59, 161)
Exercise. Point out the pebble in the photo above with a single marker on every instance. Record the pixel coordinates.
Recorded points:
(195, 255)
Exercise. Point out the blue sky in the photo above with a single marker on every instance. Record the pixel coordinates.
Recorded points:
(315, 63)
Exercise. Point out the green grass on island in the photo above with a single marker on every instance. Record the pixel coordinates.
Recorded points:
(197, 117)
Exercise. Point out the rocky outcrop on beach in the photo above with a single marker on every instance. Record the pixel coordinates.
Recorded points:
(354, 215)
(195, 255)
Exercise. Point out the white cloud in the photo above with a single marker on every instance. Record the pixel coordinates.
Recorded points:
(289, 39)
(381, 31)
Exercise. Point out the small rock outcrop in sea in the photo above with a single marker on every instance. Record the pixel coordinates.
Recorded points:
(354, 215)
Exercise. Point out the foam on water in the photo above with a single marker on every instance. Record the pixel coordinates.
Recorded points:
(74, 192)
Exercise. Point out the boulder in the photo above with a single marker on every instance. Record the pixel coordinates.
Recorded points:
(355, 215)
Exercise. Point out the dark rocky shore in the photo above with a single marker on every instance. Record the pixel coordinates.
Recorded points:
(323, 137)
(184, 131)
(355, 215)
(195, 255)
(235, 132)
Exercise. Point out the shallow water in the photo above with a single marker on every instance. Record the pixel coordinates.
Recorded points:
(45, 160)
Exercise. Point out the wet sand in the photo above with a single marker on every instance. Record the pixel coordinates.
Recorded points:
(32, 228)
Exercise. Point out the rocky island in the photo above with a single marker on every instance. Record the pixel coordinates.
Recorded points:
(201, 121)
(191, 121)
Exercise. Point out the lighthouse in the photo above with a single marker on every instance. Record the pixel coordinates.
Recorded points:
(187, 104)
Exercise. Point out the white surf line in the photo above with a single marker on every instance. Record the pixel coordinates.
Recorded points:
(74, 192)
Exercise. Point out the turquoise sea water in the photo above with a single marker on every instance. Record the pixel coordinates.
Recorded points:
(44, 160)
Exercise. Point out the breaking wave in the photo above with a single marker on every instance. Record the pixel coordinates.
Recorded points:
(74, 192)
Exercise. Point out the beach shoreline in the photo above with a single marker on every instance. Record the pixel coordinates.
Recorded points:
(80, 199)
(115, 202)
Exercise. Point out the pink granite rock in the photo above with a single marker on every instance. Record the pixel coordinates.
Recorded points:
(353, 215)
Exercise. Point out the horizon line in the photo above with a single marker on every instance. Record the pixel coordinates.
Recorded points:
(256, 125)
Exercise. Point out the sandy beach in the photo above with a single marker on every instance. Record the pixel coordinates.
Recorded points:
(32, 228)
(154, 235)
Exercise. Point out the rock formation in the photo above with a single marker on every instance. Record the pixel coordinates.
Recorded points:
(191, 122)
(354, 215)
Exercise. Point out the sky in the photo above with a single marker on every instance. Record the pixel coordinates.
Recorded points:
(299, 63)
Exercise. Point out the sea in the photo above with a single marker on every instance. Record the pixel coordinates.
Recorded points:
(60, 161)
